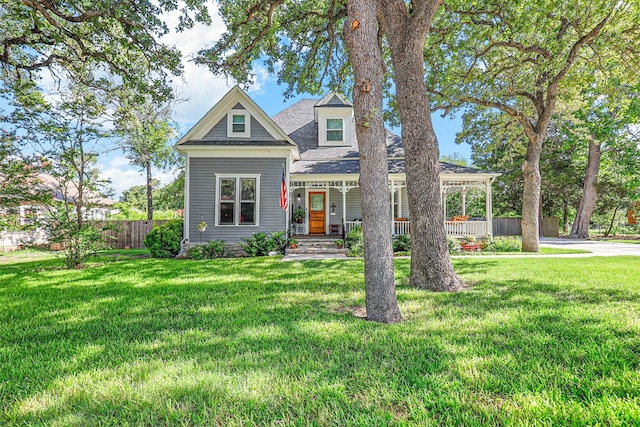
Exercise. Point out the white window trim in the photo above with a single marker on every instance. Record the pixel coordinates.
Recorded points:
(327, 130)
(236, 219)
(247, 124)
(344, 114)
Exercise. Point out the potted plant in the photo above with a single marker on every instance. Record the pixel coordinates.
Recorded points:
(293, 243)
(339, 243)
(299, 215)
(202, 226)
(469, 243)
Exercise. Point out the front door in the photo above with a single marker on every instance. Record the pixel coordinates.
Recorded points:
(316, 212)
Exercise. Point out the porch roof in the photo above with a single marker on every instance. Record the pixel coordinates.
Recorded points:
(352, 166)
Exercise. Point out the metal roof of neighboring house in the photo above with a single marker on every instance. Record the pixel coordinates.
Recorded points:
(70, 191)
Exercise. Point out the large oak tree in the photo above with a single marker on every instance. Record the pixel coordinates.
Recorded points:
(523, 58)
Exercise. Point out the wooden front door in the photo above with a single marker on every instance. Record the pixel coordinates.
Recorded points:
(316, 212)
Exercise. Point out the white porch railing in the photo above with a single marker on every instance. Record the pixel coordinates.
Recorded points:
(453, 228)
(466, 228)
(348, 225)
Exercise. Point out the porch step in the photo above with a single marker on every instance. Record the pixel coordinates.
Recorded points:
(318, 245)
(316, 250)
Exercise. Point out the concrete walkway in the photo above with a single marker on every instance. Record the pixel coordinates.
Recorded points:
(595, 248)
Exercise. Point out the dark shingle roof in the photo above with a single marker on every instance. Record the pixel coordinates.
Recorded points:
(299, 123)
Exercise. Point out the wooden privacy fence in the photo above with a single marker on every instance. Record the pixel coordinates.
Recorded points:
(512, 227)
(121, 234)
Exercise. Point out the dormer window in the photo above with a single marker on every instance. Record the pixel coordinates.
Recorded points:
(238, 124)
(335, 130)
(334, 116)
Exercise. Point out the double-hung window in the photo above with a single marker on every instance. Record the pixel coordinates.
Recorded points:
(335, 130)
(238, 124)
(237, 199)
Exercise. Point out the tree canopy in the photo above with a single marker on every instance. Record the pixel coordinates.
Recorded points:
(98, 43)
(523, 58)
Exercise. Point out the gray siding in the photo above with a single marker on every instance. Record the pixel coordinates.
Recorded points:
(219, 132)
(202, 189)
(335, 197)
(405, 202)
(354, 209)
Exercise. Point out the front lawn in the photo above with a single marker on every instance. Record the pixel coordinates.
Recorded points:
(533, 341)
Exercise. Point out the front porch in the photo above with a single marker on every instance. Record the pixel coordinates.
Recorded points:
(332, 207)
(478, 228)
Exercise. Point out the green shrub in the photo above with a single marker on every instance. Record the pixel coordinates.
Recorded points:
(504, 244)
(453, 245)
(402, 243)
(164, 241)
(79, 240)
(260, 244)
(355, 241)
(211, 250)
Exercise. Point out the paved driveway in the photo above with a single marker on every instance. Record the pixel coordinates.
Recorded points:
(597, 248)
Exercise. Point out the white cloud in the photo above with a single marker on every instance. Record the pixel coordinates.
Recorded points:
(123, 175)
(198, 86)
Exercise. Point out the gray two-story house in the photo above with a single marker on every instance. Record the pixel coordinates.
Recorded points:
(238, 160)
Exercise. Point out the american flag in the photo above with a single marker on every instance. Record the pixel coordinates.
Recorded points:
(283, 193)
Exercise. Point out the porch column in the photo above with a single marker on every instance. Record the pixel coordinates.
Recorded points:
(392, 213)
(464, 200)
(489, 207)
(344, 203)
(444, 204)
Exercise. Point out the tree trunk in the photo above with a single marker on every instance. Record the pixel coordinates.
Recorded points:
(565, 215)
(531, 196)
(613, 221)
(431, 266)
(365, 55)
(149, 192)
(580, 228)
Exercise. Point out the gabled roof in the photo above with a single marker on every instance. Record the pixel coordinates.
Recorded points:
(333, 99)
(298, 122)
(235, 96)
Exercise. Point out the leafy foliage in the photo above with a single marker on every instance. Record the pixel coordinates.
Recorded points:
(504, 244)
(145, 130)
(261, 244)
(355, 241)
(402, 243)
(94, 42)
(79, 241)
(164, 241)
(211, 250)
(453, 245)
(19, 173)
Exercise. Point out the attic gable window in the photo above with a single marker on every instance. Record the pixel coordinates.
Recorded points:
(238, 124)
(335, 130)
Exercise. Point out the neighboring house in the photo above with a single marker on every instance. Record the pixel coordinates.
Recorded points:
(28, 214)
(100, 207)
(238, 157)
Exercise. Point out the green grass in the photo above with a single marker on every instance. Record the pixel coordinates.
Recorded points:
(630, 241)
(533, 341)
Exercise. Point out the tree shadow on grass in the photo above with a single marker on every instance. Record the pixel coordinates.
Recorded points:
(233, 342)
